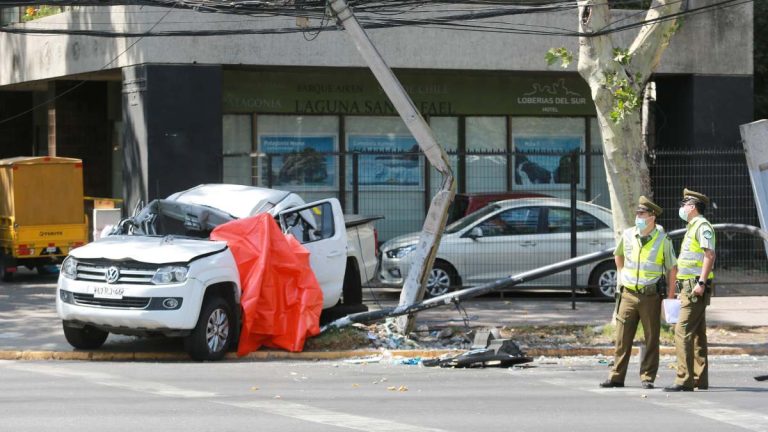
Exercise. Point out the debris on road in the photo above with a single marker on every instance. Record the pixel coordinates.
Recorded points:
(496, 353)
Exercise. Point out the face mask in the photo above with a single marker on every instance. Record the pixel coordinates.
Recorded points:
(683, 214)
(641, 224)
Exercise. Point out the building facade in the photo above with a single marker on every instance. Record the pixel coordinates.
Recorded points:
(150, 116)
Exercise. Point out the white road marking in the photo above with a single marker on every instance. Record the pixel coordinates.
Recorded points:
(327, 417)
(715, 411)
(109, 380)
(277, 407)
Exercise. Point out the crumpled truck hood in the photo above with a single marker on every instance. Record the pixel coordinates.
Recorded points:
(151, 250)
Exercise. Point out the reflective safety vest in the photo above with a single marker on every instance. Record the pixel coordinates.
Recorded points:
(643, 264)
(691, 258)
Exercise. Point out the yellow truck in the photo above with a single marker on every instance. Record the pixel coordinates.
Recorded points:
(42, 214)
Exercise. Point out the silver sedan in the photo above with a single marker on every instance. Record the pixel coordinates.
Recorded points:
(509, 237)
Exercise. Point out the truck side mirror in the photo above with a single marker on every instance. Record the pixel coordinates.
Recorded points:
(475, 233)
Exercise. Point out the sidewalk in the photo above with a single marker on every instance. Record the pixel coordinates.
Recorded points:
(30, 328)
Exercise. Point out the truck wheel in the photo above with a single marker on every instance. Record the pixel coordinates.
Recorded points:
(213, 333)
(4, 275)
(87, 337)
(47, 269)
(603, 281)
(352, 289)
(442, 279)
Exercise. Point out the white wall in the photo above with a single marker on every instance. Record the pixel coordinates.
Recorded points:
(718, 42)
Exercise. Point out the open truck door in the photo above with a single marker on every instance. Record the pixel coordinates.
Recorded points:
(319, 227)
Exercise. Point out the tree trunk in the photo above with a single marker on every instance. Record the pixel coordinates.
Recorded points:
(625, 166)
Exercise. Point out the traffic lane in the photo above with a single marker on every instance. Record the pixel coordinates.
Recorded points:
(28, 320)
(331, 396)
(28, 313)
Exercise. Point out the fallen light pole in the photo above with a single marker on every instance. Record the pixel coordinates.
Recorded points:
(434, 224)
(468, 293)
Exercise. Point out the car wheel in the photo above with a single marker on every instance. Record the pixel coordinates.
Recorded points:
(86, 337)
(213, 333)
(603, 281)
(441, 279)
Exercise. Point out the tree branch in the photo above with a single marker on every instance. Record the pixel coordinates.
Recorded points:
(594, 15)
(653, 39)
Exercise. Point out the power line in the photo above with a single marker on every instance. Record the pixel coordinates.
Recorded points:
(376, 15)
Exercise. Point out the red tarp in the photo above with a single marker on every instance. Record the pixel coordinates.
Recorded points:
(281, 298)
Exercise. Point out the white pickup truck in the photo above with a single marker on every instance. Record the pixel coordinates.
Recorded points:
(157, 273)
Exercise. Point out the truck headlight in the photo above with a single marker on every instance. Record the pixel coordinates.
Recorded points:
(171, 274)
(69, 268)
(401, 251)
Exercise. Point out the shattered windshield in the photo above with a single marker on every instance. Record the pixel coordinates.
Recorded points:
(163, 217)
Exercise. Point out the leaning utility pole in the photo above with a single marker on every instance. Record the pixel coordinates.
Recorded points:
(429, 240)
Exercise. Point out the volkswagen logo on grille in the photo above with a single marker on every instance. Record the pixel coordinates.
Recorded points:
(112, 275)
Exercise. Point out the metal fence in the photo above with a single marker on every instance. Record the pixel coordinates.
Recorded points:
(399, 187)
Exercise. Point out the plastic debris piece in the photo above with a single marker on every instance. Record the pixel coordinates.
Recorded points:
(364, 360)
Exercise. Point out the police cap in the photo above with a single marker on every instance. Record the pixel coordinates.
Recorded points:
(645, 204)
(689, 195)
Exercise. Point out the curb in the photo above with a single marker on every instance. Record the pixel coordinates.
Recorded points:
(333, 355)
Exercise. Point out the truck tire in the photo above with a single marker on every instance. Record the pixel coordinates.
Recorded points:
(47, 269)
(352, 292)
(87, 337)
(4, 275)
(214, 332)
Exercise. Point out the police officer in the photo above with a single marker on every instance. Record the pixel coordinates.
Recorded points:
(642, 256)
(694, 283)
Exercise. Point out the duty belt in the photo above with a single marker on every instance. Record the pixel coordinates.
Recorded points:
(686, 286)
(646, 290)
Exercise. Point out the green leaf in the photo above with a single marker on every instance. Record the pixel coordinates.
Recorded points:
(621, 56)
(550, 57)
(553, 54)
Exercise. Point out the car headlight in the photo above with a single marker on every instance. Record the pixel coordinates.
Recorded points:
(69, 268)
(171, 274)
(401, 251)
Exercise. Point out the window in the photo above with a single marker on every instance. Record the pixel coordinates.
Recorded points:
(302, 152)
(517, 221)
(486, 140)
(559, 221)
(311, 224)
(542, 151)
(237, 149)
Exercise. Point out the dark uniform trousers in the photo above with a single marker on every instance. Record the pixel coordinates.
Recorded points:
(691, 340)
(634, 308)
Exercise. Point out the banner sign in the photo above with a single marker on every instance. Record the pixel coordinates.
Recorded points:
(545, 159)
(388, 168)
(300, 161)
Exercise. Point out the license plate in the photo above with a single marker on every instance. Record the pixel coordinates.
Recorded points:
(51, 249)
(108, 292)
